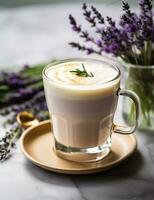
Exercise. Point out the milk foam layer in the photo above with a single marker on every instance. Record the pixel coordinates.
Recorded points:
(61, 74)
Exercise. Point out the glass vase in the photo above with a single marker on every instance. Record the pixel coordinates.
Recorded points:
(140, 79)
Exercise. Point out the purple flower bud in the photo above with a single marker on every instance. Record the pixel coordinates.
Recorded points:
(89, 51)
(112, 48)
(131, 28)
(99, 43)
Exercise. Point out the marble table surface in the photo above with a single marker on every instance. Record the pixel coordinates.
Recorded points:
(36, 34)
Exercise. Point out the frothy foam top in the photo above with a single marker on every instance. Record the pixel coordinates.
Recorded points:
(61, 74)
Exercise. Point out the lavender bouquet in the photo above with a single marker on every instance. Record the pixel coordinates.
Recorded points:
(131, 40)
(19, 91)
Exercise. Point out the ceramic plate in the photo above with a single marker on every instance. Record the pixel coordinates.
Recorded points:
(36, 144)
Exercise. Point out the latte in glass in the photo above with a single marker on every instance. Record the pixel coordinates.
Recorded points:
(82, 97)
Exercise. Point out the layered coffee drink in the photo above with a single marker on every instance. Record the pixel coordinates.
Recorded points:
(82, 99)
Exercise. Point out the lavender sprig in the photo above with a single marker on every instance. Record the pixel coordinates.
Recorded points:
(83, 34)
(88, 15)
(98, 15)
(8, 142)
(78, 29)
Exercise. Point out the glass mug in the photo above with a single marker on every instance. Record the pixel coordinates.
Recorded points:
(82, 116)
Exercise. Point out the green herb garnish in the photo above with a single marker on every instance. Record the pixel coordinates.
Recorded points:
(83, 72)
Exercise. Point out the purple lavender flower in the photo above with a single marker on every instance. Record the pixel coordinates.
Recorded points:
(132, 38)
(15, 80)
(75, 27)
(98, 15)
(146, 17)
(88, 15)
(112, 48)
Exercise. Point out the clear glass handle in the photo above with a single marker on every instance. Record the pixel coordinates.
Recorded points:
(123, 129)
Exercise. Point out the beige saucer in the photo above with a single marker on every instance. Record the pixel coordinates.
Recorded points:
(36, 144)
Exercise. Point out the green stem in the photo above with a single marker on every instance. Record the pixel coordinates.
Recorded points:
(145, 54)
(149, 49)
(134, 56)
